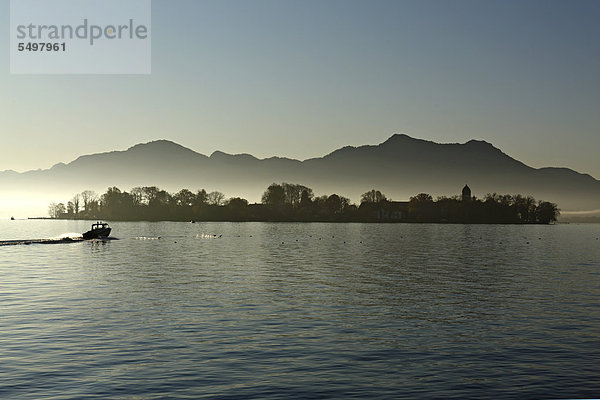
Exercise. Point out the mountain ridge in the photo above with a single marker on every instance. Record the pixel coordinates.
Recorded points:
(160, 143)
(401, 166)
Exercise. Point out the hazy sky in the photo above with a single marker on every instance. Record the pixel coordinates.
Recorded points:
(302, 78)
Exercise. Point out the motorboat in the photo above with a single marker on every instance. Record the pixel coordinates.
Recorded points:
(99, 230)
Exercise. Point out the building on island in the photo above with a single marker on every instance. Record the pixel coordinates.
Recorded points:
(466, 193)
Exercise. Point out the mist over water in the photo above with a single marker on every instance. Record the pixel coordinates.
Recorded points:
(259, 310)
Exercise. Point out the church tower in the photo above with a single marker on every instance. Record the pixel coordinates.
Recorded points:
(466, 193)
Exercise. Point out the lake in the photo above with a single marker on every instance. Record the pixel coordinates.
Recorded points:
(287, 310)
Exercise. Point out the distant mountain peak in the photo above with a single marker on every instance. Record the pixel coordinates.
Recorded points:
(481, 146)
(479, 143)
(220, 155)
(161, 144)
(402, 138)
(163, 147)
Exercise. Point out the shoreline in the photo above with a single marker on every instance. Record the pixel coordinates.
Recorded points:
(307, 222)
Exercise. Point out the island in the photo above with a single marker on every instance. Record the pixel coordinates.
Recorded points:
(286, 202)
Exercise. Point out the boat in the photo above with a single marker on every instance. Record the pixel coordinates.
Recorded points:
(99, 230)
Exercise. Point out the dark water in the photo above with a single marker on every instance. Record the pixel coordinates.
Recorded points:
(271, 311)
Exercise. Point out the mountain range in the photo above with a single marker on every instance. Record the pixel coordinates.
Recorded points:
(400, 167)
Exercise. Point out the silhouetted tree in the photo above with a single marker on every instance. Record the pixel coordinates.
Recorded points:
(201, 198)
(333, 204)
(291, 202)
(237, 208)
(115, 204)
(184, 198)
(92, 209)
(524, 207)
(88, 196)
(547, 212)
(274, 195)
(161, 199)
(215, 198)
(336, 205)
(75, 201)
(149, 193)
(372, 196)
(70, 209)
(56, 210)
(137, 193)
(236, 202)
(306, 198)
(293, 193)
(420, 207)
(421, 198)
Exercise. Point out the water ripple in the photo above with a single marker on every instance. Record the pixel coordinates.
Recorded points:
(275, 311)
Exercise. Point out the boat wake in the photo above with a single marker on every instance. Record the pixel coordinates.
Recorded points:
(40, 241)
(62, 239)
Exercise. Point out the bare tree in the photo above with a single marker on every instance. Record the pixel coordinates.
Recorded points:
(88, 196)
(56, 210)
(293, 193)
(75, 202)
(215, 198)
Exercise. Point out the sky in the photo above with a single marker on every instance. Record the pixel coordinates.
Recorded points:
(300, 79)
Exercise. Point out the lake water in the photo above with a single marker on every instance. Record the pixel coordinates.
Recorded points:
(273, 311)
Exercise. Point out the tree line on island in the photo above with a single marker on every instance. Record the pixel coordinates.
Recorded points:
(297, 203)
